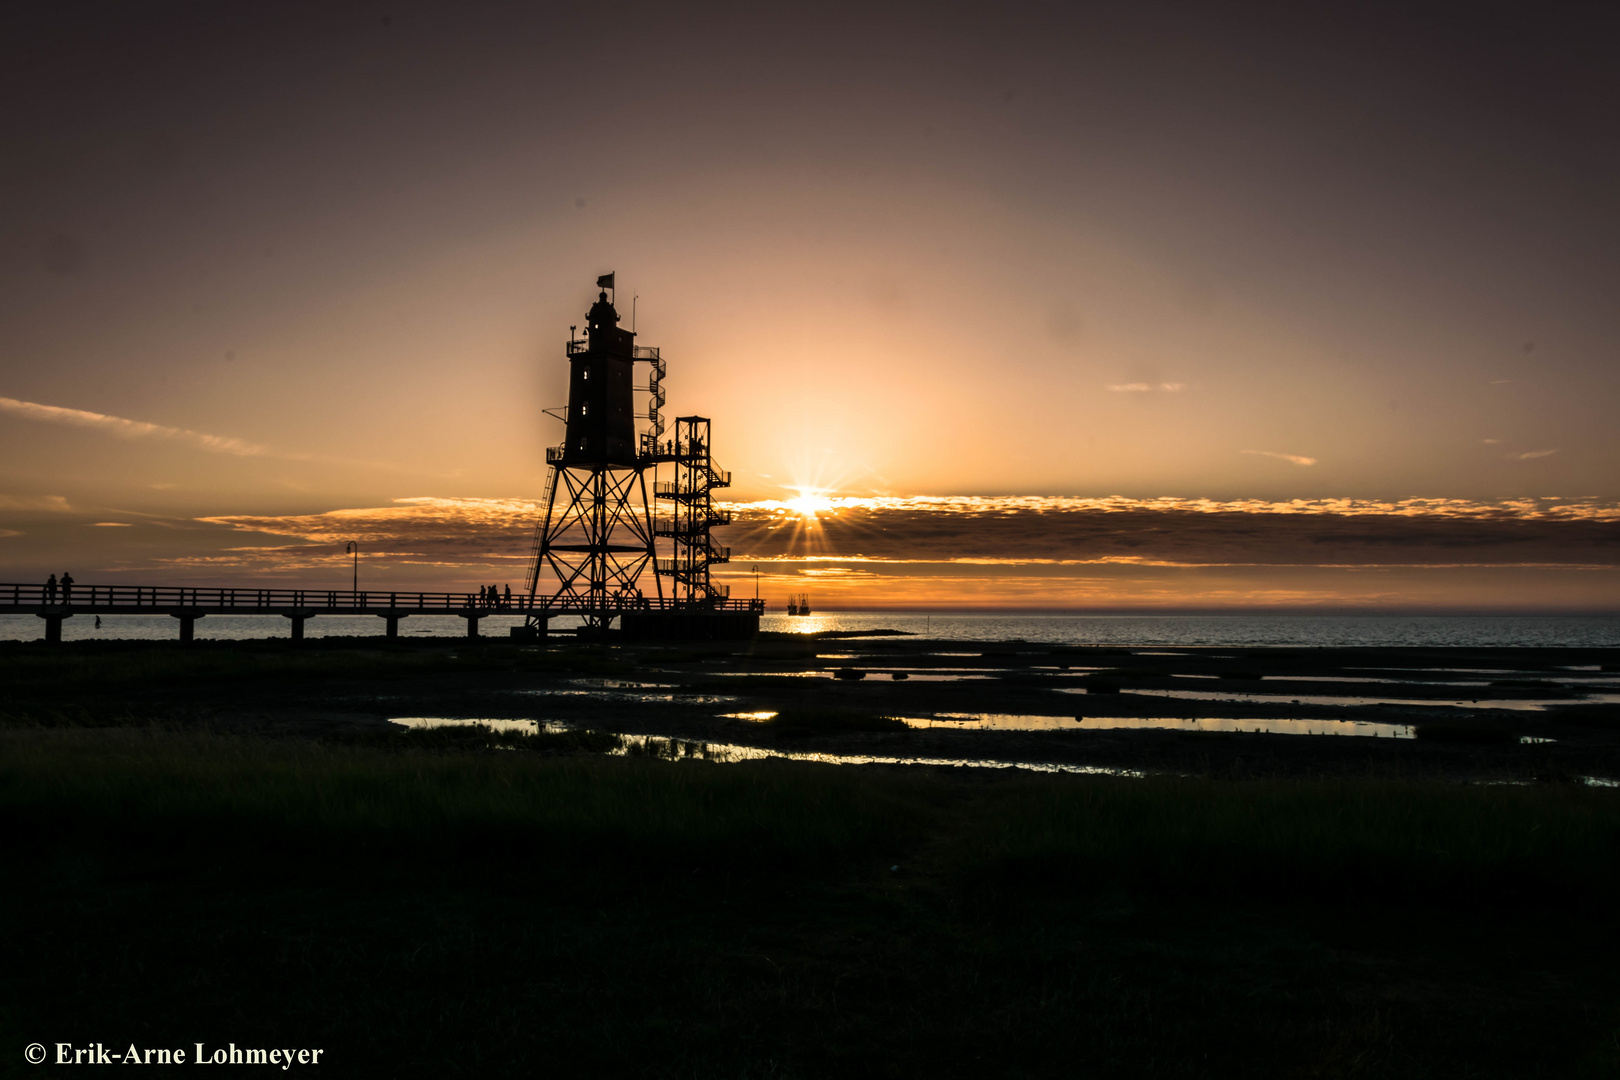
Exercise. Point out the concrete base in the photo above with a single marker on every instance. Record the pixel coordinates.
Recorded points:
(533, 630)
(690, 625)
(392, 618)
(188, 623)
(298, 618)
(53, 627)
(472, 624)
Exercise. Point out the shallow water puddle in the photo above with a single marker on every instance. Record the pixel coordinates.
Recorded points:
(1324, 699)
(526, 727)
(622, 684)
(1457, 670)
(657, 746)
(920, 674)
(818, 674)
(1021, 722)
(955, 721)
(681, 698)
(1261, 727)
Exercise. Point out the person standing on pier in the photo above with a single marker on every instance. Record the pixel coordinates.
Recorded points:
(50, 589)
(507, 603)
(67, 587)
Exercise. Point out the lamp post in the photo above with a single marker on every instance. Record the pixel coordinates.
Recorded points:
(756, 583)
(353, 548)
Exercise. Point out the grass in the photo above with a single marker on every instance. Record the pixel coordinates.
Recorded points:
(216, 790)
(454, 902)
(1371, 840)
(40, 685)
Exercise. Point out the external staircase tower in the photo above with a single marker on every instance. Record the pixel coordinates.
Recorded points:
(692, 515)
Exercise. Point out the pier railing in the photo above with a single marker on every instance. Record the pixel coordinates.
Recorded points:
(124, 597)
(161, 599)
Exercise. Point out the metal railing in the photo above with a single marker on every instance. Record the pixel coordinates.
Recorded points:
(144, 597)
(162, 599)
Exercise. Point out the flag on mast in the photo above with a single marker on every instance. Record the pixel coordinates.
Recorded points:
(605, 281)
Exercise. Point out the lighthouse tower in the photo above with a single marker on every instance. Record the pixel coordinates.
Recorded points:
(596, 540)
(597, 536)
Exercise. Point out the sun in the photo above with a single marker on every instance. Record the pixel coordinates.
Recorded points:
(808, 503)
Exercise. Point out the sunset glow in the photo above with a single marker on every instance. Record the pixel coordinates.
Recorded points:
(1066, 313)
(808, 504)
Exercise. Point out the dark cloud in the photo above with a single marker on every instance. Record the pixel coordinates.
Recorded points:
(995, 531)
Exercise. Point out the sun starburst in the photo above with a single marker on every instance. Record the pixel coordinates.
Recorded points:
(809, 503)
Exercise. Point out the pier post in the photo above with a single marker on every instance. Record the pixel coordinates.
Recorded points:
(472, 624)
(392, 618)
(297, 618)
(53, 626)
(188, 623)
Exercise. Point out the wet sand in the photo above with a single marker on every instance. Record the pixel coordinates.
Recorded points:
(1518, 715)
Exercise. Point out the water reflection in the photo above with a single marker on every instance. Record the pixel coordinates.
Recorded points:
(1325, 699)
(681, 697)
(1025, 722)
(991, 722)
(657, 746)
(1368, 679)
(526, 727)
(1262, 726)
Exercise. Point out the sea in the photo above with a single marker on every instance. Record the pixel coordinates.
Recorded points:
(1230, 631)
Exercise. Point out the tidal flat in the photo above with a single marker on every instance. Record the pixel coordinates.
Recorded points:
(236, 841)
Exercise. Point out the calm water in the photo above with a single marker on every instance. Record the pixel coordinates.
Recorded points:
(1170, 631)
(1233, 631)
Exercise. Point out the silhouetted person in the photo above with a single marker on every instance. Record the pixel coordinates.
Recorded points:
(67, 587)
(50, 589)
(508, 602)
(98, 622)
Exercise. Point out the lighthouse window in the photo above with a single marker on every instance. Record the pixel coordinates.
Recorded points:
(585, 375)
(584, 408)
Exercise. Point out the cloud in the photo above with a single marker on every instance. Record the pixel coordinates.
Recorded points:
(1531, 455)
(55, 504)
(1147, 388)
(109, 524)
(1293, 458)
(219, 444)
(127, 429)
(428, 535)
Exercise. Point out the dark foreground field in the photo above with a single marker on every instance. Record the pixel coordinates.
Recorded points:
(455, 902)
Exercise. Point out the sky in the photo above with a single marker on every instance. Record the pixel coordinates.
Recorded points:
(1117, 306)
